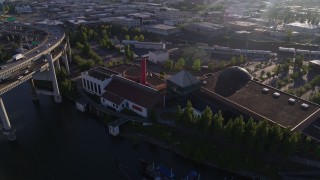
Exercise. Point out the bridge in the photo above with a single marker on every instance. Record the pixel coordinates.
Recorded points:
(43, 58)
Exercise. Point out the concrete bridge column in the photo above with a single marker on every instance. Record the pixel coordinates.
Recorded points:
(57, 96)
(66, 63)
(57, 64)
(69, 50)
(7, 129)
(33, 91)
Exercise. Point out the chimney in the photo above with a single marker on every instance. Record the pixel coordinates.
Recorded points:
(143, 66)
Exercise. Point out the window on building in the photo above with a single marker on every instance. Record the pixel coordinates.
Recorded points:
(95, 88)
(88, 86)
(99, 88)
(127, 104)
(91, 83)
(116, 106)
(84, 83)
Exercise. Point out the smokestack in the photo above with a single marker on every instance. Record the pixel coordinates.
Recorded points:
(143, 66)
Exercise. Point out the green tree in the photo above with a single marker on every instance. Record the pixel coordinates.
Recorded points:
(188, 113)
(206, 119)
(250, 133)
(262, 134)
(217, 123)
(179, 114)
(238, 129)
(86, 49)
(83, 37)
(136, 38)
(233, 61)
(127, 37)
(141, 38)
(168, 64)
(228, 129)
(196, 65)
(180, 64)
(274, 138)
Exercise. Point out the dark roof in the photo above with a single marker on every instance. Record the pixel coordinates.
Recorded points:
(113, 98)
(184, 79)
(132, 91)
(120, 68)
(101, 73)
(252, 97)
(231, 80)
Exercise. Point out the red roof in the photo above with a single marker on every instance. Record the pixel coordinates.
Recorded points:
(132, 91)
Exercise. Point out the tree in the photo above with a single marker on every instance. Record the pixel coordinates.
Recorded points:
(192, 53)
(274, 138)
(238, 129)
(188, 113)
(250, 133)
(233, 60)
(127, 37)
(136, 38)
(262, 134)
(168, 64)
(141, 38)
(217, 123)
(206, 119)
(86, 49)
(179, 114)
(83, 37)
(196, 65)
(228, 129)
(179, 65)
(241, 59)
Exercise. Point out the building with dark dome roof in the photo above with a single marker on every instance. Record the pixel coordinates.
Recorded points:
(235, 90)
(231, 80)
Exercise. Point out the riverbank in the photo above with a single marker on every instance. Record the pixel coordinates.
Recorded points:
(169, 147)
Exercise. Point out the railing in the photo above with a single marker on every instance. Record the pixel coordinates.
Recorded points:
(16, 83)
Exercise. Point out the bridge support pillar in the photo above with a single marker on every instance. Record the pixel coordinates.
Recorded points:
(57, 96)
(57, 64)
(66, 63)
(7, 130)
(33, 91)
(69, 50)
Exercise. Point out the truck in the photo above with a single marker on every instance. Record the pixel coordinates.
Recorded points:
(17, 57)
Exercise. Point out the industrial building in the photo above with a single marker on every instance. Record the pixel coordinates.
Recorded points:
(235, 90)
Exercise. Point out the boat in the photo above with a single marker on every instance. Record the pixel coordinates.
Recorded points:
(164, 172)
(193, 175)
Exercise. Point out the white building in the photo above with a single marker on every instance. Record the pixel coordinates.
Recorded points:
(167, 13)
(23, 9)
(158, 56)
(95, 80)
(122, 93)
(128, 22)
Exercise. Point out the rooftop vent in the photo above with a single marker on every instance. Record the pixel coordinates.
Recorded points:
(292, 101)
(276, 95)
(265, 90)
(304, 106)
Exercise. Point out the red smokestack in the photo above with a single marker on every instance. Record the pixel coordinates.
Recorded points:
(143, 66)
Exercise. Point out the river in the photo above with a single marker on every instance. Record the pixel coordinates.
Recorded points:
(55, 141)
